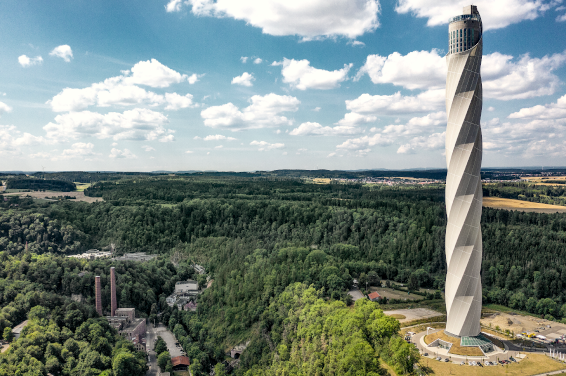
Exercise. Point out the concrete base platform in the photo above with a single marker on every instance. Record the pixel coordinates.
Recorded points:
(435, 351)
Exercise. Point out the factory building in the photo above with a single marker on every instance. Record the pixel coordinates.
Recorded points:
(122, 319)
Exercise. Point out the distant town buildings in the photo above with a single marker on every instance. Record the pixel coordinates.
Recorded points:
(92, 254)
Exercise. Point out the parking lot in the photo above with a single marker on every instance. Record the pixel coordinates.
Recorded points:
(169, 338)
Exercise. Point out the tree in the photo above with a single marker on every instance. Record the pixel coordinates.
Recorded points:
(362, 280)
(373, 278)
(160, 346)
(8, 335)
(163, 359)
(220, 369)
(413, 284)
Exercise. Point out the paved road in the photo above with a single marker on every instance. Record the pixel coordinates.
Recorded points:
(150, 338)
(356, 294)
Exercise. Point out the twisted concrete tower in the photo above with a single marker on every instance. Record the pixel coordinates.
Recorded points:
(463, 182)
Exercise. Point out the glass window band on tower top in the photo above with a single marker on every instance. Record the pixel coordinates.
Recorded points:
(465, 30)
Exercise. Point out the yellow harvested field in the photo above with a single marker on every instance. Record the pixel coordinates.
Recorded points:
(545, 180)
(533, 364)
(511, 204)
(321, 181)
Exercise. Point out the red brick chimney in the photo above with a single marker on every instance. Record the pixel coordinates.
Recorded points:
(98, 294)
(113, 302)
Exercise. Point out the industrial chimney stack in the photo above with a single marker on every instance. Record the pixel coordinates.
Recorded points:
(98, 294)
(113, 302)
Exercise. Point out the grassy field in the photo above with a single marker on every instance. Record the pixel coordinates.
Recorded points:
(533, 364)
(321, 181)
(82, 186)
(390, 293)
(397, 316)
(511, 204)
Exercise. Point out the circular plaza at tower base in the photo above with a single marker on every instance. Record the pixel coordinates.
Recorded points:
(446, 344)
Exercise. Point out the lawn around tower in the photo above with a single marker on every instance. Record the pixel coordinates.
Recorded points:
(533, 364)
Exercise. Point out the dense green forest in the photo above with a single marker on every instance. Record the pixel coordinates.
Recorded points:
(545, 194)
(277, 248)
(40, 184)
(62, 337)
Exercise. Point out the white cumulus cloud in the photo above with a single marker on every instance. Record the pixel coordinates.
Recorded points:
(174, 6)
(315, 129)
(364, 142)
(123, 90)
(218, 137)
(495, 14)
(176, 101)
(503, 76)
(416, 70)
(11, 140)
(264, 111)
(309, 19)
(137, 124)
(301, 75)
(26, 61)
(126, 153)
(64, 52)
(366, 104)
(79, 150)
(4, 108)
(548, 111)
(264, 145)
(245, 79)
(431, 142)
(505, 79)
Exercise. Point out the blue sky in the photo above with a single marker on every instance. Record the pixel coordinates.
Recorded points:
(262, 85)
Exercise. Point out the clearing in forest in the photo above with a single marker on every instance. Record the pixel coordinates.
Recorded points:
(412, 314)
(525, 206)
(78, 196)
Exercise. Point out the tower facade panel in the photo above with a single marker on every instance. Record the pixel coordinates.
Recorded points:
(463, 181)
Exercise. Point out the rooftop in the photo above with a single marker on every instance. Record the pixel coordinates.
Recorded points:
(374, 295)
(125, 309)
(465, 17)
(180, 360)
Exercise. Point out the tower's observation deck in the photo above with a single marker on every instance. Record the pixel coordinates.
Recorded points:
(464, 31)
